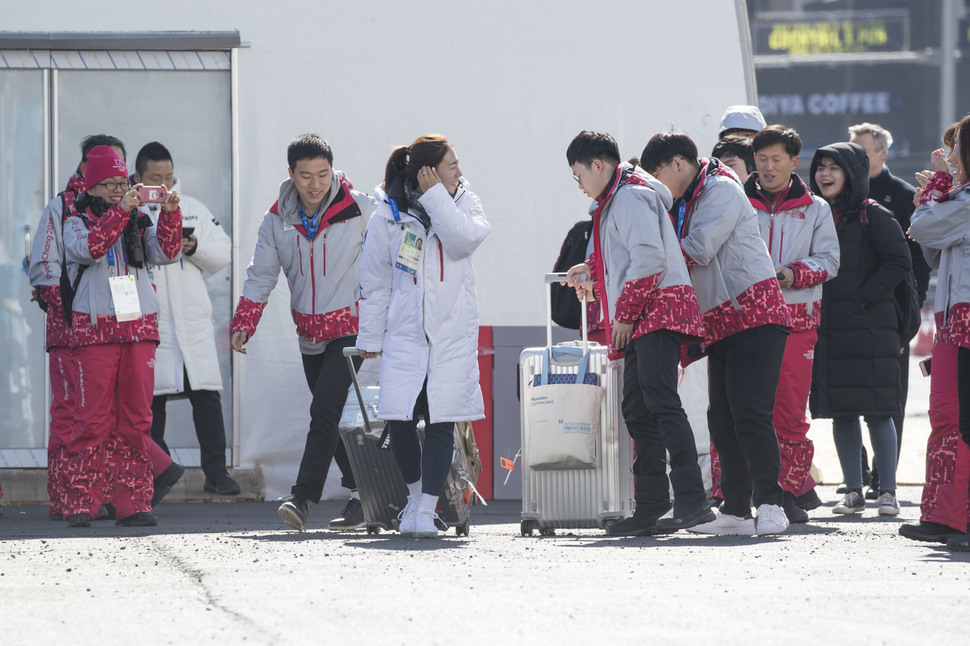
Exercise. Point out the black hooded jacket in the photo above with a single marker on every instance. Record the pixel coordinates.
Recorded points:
(856, 370)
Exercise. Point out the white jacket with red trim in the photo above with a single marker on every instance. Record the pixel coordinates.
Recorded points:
(426, 325)
(800, 234)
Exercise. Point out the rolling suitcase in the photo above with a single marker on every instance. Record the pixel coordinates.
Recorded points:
(576, 498)
(383, 493)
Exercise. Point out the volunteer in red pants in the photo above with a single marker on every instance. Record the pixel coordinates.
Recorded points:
(939, 224)
(115, 323)
(799, 232)
(943, 507)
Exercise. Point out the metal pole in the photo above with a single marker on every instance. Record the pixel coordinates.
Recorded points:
(949, 32)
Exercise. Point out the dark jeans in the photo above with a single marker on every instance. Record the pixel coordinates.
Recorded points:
(209, 427)
(963, 391)
(658, 425)
(898, 418)
(329, 380)
(744, 370)
(432, 465)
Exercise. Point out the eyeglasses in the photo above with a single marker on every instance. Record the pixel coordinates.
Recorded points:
(114, 186)
(657, 170)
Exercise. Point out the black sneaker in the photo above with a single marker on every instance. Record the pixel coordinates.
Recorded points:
(352, 516)
(79, 520)
(638, 524)
(929, 532)
(795, 513)
(224, 485)
(872, 494)
(809, 500)
(106, 512)
(166, 480)
(670, 525)
(138, 519)
(294, 512)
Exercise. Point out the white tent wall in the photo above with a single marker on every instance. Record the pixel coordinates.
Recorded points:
(509, 82)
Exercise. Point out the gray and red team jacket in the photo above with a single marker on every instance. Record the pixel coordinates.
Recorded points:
(637, 259)
(939, 225)
(323, 273)
(97, 244)
(800, 233)
(728, 261)
(47, 261)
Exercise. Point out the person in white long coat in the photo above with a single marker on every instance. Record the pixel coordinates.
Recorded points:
(418, 309)
(186, 361)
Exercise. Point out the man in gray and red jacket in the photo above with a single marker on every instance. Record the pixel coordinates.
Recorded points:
(650, 311)
(800, 234)
(746, 321)
(314, 233)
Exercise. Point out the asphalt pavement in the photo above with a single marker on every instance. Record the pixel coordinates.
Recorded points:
(232, 573)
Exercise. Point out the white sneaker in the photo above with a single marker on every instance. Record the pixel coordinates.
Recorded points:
(407, 516)
(425, 517)
(726, 525)
(771, 520)
(888, 506)
(424, 525)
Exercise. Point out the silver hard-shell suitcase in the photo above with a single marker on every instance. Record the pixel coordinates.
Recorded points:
(578, 498)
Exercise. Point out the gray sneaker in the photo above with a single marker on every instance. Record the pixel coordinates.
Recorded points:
(888, 505)
(852, 503)
(352, 516)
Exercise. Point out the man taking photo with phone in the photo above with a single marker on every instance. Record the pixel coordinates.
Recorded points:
(186, 361)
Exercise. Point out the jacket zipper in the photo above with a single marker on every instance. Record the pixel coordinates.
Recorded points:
(313, 284)
(299, 248)
(324, 253)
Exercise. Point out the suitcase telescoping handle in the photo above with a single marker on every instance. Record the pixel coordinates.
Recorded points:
(560, 277)
(349, 353)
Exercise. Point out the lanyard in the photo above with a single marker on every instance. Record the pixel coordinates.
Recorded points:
(397, 214)
(308, 225)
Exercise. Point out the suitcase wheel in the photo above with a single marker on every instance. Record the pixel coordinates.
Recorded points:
(373, 529)
(547, 531)
(528, 526)
(462, 529)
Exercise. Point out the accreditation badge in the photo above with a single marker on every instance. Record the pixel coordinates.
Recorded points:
(409, 253)
(124, 296)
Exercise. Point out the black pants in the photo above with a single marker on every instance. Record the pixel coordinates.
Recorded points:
(898, 418)
(963, 391)
(744, 371)
(658, 425)
(329, 380)
(430, 466)
(210, 427)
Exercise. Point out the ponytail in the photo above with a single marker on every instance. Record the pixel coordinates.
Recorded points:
(395, 171)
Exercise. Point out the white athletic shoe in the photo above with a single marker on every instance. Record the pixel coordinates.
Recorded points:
(424, 525)
(771, 520)
(726, 525)
(425, 517)
(408, 515)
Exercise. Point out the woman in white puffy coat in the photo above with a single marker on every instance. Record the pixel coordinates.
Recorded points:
(418, 309)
